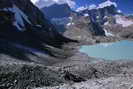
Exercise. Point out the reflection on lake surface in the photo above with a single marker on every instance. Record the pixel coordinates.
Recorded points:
(111, 51)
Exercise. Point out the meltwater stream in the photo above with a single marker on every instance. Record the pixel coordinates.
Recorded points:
(110, 51)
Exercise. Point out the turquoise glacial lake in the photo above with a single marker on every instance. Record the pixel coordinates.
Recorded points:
(110, 51)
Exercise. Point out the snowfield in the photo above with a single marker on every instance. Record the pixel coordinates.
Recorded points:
(123, 21)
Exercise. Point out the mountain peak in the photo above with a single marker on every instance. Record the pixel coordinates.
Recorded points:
(81, 8)
(107, 3)
(93, 6)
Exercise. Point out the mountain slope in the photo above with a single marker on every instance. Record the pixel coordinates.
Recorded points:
(25, 27)
(59, 15)
(31, 17)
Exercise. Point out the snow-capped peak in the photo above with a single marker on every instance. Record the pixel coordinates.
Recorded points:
(19, 17)
(93, 6)
(107, 3)
(81, 8)
(90, 7)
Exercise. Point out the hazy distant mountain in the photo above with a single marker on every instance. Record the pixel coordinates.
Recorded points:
(59, 15)
(57, 11)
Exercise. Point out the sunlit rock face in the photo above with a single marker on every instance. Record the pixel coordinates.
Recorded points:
(112, 20)
(69, 21)
(100, 12)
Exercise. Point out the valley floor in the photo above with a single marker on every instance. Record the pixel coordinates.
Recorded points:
(106, 83)
(76, 72)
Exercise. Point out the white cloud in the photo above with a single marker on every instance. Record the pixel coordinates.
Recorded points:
(45, 3)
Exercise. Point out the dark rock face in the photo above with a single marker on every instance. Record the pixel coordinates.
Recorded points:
(83, 29)
(98, 15)
(98, 30)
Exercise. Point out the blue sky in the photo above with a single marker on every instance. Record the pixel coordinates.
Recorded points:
(125, 6)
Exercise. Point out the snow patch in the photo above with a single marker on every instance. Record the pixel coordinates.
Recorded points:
(61, 21)
(119, 11)
(70, 24)
(19, 17)
(106, 23)
(97, 17)
(123, 21)
(108, 33)
(71, 18)
(86, 15)
(81, 8)
(90, 7)
(93, 6)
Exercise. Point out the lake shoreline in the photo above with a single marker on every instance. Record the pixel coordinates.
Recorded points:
(74, 72)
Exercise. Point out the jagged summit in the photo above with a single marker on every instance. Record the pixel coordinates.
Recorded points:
(105, 4)
(98, 13)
